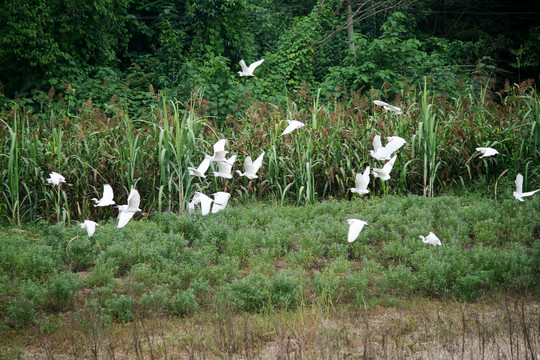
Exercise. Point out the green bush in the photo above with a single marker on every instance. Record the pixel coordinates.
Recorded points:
(284, 290)
(120, 307)
(252, 293)
(183, 302)
(62, 290)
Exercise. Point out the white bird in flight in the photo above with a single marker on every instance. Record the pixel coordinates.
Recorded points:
(383, 153)
(388, 107)
(293, 125)
(355, 226)
(221, 199)
(251, 167)
(90, 227)
(199, 172)
(225, 168)
(361, 183)
(384, 173)
(486, 151)
(126, 212)
(519, 194)
(55, 178)
(219, 151)
(107, 198)
(200, 198)
(431, 239)
(248, 71)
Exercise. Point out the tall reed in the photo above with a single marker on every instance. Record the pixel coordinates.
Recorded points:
(427, 140)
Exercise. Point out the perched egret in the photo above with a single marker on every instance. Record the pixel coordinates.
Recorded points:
(388, 107)
(248, 71)
(126, 212)
(55, 178)
(519, 194)
(383, 153)
(200, 198)
(225, 168)
(219, 151)
(221, 199)
(90, 227)
(107, 198)
(384, 173)
(362, 182)
(431, 239)
(486, 151)
(201, 169)
(293, 125)
(355, 226)
(251, 167)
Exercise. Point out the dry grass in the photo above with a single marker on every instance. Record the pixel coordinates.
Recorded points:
(507, 328)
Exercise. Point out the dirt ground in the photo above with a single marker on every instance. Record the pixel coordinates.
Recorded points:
(506, 328)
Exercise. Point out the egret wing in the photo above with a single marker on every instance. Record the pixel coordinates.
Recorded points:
(253, 66)
(124, 217)
(134, 201)
(243, 66)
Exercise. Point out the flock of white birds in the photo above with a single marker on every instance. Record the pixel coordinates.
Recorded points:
(221, 198)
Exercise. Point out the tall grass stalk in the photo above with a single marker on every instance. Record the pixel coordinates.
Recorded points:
(428, 140)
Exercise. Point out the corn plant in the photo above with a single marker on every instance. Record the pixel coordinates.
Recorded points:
(427, 140)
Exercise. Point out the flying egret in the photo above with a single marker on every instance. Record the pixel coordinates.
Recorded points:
(388, 107)
(248, 71)
(384, 173)
(200, 198)
(225, 168)
(431, 239)
(486, 151)
(361, 183)
(55, 178)
(126, 212)
(293, 125)
(355, 226)
(199, 172)
(251, 167)
(221, 199)
(519, 194)
(90, 227)
(383, 153)
(107, 198)
(219, 151)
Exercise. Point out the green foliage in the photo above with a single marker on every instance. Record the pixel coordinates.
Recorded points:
(183, 302)
(287, 257)
(120, 307)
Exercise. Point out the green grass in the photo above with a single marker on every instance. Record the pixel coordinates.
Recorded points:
(260, 257)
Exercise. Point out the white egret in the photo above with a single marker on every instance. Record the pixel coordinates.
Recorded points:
(248, 71)
(56, 179)
(219, 151)
(361, 183)
(200, 198)
(384, 173)
(107, 198)
(225, 168)
(486, 151)
(90, 227)
(199, 172)
(383, 153)
(388, 107)
(251, 167)
(126, 212)
(355, 226)
(519, 194)
(221, 199)
(431, 239)
(293, 125)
